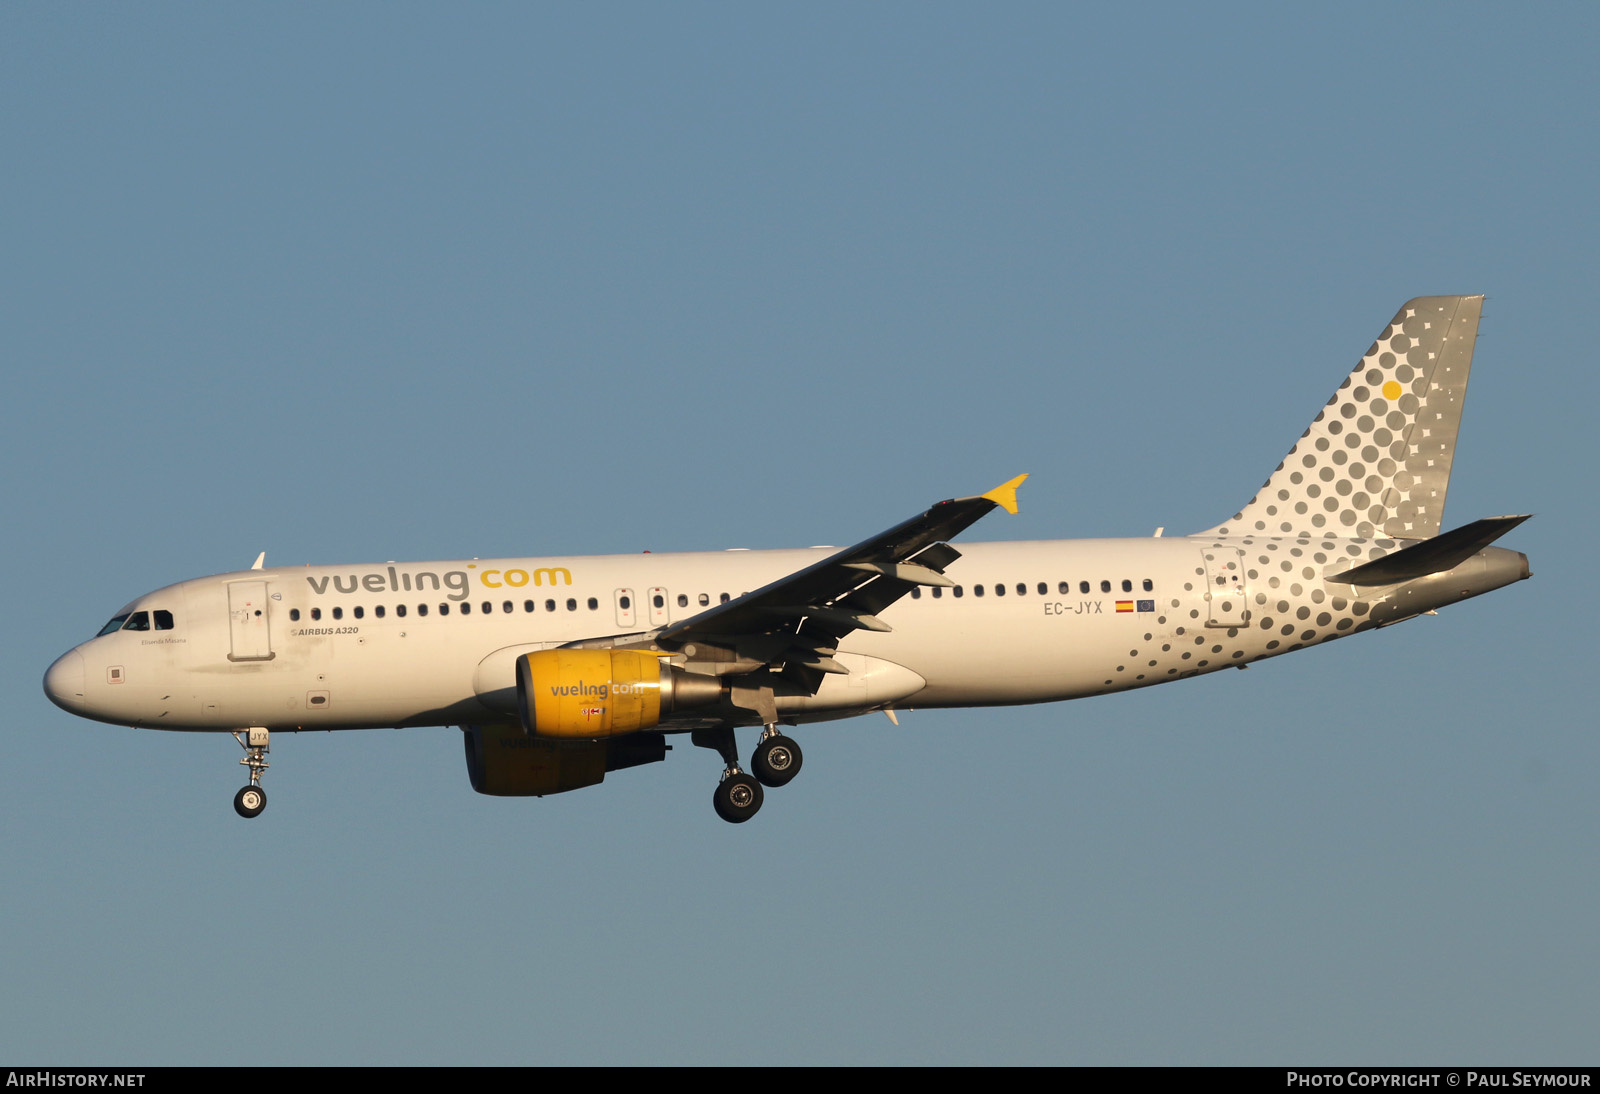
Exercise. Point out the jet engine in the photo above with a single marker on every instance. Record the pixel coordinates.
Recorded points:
(505, 762)
(571, 694)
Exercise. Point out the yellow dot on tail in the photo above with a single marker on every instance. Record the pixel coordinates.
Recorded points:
(1391, 391)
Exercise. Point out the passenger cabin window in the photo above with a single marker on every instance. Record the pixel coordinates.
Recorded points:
(359, 611)
(338, 613)
(1064, 588)
(400, 610)
(977, 590)
(527, 605)
(316, 613)
(704, 599)
(1105, 586)
(1148, 585)
(378, 611)
(572, 605)
(422, 609)
(594, 604)
(1044, 588)
(683, 600)
(294, 615)
(916, 592)
(1127, 586)
(1083, 586)
(466, 607)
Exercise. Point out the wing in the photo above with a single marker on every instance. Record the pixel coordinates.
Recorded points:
(797, 621)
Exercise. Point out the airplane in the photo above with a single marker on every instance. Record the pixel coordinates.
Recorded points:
(561, 670)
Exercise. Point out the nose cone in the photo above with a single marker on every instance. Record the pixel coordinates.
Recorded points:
(63, 682)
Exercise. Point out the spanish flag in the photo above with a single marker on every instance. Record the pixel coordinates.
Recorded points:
(1124, 605)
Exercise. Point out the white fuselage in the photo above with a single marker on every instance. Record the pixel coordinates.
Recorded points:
(409, 644)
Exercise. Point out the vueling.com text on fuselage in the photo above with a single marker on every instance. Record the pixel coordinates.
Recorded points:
(458, 582)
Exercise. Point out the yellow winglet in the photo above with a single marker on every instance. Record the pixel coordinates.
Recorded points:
(1005, 495)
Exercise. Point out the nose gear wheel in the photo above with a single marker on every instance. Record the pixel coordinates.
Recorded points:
(251, 799)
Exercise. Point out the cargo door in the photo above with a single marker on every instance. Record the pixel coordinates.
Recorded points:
(1227, 595)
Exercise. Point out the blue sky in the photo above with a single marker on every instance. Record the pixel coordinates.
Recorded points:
(351, 282)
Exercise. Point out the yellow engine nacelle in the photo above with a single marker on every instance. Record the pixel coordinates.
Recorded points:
(595, 694)
(504, 761)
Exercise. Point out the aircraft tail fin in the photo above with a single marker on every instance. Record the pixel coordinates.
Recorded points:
(1376, 461)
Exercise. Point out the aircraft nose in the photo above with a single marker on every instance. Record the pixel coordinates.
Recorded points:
(63, 681)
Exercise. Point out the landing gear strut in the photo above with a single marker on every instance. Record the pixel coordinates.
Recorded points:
(251, 800)
(738, 796)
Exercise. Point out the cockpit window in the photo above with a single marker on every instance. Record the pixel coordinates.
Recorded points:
(139, 621)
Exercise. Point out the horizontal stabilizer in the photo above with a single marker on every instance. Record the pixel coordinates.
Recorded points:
(1432, 556)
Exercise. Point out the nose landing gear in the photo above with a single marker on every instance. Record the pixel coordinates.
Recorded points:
(251, 800)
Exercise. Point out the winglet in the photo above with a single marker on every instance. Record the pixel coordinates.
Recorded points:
(1005, 495)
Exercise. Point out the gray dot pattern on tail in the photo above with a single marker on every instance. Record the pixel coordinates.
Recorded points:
(1376, 460)
(1287, 605)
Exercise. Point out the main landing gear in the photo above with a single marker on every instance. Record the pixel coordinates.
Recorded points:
(737, 797)
(251, 800)
(775, 761)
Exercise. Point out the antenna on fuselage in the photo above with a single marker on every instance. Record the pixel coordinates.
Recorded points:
(260, 561)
